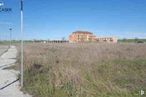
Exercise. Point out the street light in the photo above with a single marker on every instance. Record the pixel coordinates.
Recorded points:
(21, 68)
(10, 29)
(10, 36)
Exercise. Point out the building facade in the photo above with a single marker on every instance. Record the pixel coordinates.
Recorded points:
(81, 36)
(85, 36)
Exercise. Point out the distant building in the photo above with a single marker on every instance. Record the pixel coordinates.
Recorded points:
(107, 39)
(81, 36)
(85, 36)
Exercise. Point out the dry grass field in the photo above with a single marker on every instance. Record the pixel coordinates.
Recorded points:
(85, 70)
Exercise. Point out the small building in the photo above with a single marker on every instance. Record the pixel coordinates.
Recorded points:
(107, 39)
(85, 36)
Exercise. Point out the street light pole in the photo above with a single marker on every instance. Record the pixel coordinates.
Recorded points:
(21, 67)
(10, 36)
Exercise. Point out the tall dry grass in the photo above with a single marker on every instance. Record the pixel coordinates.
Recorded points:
(85, 70)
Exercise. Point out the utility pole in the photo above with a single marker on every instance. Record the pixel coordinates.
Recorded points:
(21, 67)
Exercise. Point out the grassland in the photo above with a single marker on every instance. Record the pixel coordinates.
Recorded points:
(85, 70)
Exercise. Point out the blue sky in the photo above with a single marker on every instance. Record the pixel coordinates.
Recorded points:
(54, 19)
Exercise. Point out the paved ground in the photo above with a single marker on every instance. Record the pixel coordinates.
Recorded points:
(3, 48)
(8, 76)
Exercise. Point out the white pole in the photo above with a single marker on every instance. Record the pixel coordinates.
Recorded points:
(21, 71)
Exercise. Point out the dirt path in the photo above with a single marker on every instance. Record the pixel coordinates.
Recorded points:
(8, 76)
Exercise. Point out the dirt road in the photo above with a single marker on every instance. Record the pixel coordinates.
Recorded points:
(8, 76)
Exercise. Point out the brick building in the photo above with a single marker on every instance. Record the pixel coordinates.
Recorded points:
(81, 36)
(85, 36)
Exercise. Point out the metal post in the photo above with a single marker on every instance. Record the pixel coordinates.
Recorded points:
(21, 68)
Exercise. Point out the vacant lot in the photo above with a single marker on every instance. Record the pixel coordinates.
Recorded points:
(85, 70)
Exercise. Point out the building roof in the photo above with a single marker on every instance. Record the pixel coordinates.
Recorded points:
(82, 32)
